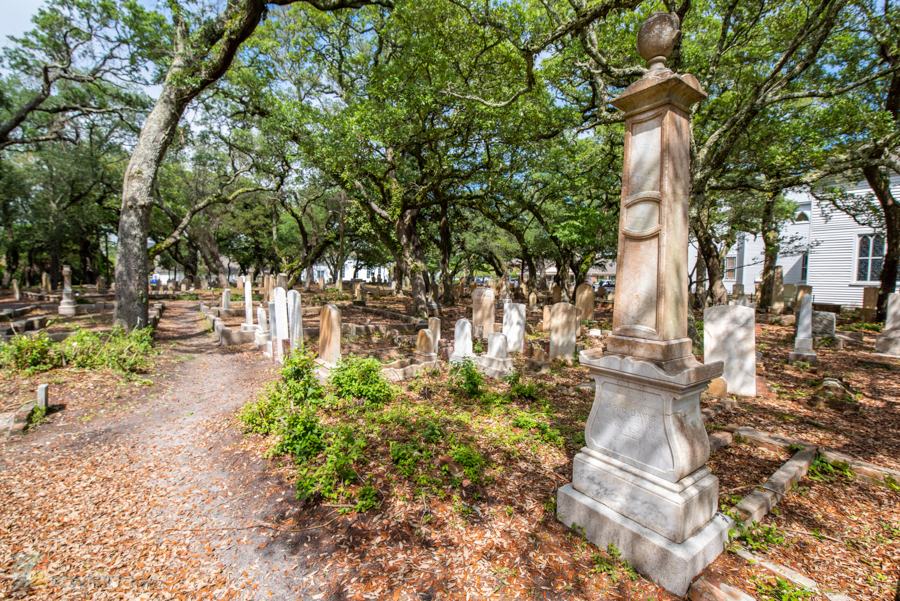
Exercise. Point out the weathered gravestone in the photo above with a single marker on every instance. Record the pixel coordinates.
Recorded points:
(67, 306)
(17, 295)
(532, 301)
(889, 340)
(281, 281)
(496, 363)
(585, 300)
(563, 326)
(556, 293)
(462, 342)
(823, 324)
(296, 320)
(434, 325)
(803, 290)
(514, 326)
(738, 290)
(803, 342)
(330, 334)
(281, 333)
(425, 345)
(729, 336)
(248, 304)
(226, 299)
(545, 323)
(482, 312)
(869, 311)
(641, 482)
(778, 291)
(790, 292)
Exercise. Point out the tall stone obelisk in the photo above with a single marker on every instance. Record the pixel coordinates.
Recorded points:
(641, 482)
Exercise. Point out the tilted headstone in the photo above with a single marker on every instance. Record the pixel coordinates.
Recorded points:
(514, 326)
(585, 300)
(434, 325)
(563, 324)
(330, 334)
(483, 312)
(248, 303)
(729, 335)
(462, 341)
(296, 319)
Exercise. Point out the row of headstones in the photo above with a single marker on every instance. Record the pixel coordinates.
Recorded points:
(45, 284)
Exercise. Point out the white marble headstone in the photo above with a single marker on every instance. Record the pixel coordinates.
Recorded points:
(434, 324)
(803, 341)
(296, 327)
(497, 346)
(514, 326)
(729, 335)
(462, 340)
(281, 315)
(261, 318)
(248, 303)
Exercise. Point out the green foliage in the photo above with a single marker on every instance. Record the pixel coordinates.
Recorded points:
(406, 456)
(122, 351)
(823, 470)
(472, 462)
(778, 589)
(612, 564)
(300, 382)
(361, 378)
(465, 377)
(301, 436)
(757, 537)
(343, 447)
(527, 421)
(517, 388)
(862, 326)
(30, 354)
(125, 352)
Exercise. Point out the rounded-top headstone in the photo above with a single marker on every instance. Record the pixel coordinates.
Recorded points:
(657, 36)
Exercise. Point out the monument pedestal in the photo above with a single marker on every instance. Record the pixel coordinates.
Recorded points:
(803, 351)
(67, 306)
(494, 367)
(641, 481)
(671, 565)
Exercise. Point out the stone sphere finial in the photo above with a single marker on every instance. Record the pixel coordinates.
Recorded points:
(656, 38)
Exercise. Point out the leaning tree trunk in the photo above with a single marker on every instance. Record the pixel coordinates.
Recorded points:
(771, 241)
(137, 202)
(881, 187)
(707, 247)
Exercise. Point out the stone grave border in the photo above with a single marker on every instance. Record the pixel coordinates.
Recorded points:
(35, 325)
(764, 497)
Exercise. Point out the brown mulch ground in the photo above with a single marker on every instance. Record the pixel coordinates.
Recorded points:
(151, 488)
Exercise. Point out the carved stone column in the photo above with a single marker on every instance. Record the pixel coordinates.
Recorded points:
(67, 306)
(641, 481)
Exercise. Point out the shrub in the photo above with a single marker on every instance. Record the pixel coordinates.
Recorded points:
(342, 448)
(264, 416)
(464, 376)
(301, 436)
(406, 456)
(361, 378)
(526, 421)
(472, 462)
(120, 350)
(300, 380)
(527, 391)
(30, 354)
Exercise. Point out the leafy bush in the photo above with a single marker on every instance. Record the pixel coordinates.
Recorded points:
(342, 448)
(472, 462)
(465, 377)
(300, 380)
(406, 456)
(518, 389)
(30, 354)
(264, 416)
(120, 350)
(361, 378)
(301, 437)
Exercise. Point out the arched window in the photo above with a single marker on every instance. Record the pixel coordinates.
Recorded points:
(801, 216)
(870, 258)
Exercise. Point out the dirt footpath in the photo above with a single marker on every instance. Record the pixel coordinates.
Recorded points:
(156, 499)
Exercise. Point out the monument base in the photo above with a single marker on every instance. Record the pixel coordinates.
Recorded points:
(263, 340)
(495, 367)
(461, 357)
(805, 356)
(249, 327)
(671, 565)
(676, 510)
(67, 307)
(888, 343)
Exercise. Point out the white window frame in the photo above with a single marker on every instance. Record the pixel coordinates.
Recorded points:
(804, 266)
(726, 270)
(857, 258)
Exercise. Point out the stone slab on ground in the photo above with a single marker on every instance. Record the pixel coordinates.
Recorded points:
(707, 588)
(670, 565)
